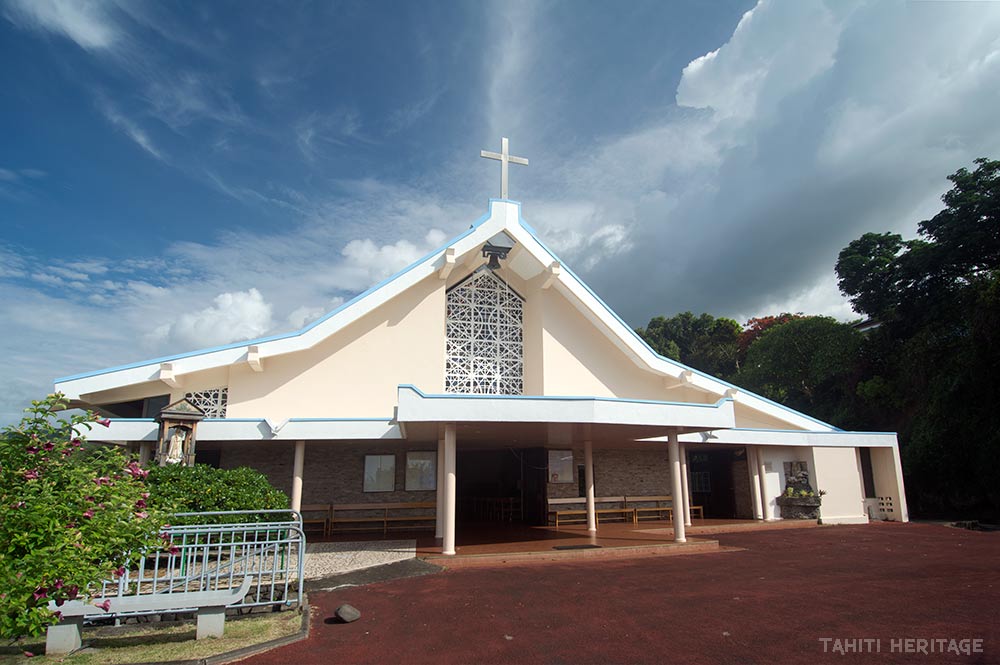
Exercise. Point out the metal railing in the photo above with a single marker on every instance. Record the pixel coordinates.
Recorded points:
(214, 556)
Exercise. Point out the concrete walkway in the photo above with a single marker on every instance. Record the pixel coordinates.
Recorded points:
(775, 600)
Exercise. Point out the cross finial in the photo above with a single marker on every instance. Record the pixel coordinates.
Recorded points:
(505, 158)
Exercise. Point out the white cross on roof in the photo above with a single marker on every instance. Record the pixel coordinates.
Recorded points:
(505, 158)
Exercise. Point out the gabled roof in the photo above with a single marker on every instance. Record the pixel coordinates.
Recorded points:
(503, 216)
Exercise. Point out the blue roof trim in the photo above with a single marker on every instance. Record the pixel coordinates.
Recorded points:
(261, 420)
(565, 267)
(562, 398)
(297, 333)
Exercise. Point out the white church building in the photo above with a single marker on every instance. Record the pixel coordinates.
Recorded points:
(489, 369)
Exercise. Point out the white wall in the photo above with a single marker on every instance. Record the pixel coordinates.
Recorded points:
(838, 472)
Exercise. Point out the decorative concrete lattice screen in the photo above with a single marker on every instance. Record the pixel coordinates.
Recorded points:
(212, 401)
(484, 337)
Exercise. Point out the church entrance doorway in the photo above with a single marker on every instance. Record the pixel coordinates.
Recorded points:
(720, 482)
(501, 486)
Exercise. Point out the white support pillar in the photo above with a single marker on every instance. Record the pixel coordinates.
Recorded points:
(145, 452)
(448, 544)
(439, 515)
(588, 466)
(764, 498)
(684, 484)
(754, 482)
(300, 458)
(676, 486)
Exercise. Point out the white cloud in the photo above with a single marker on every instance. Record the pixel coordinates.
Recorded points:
(233, 317)
(86, 22)
(129, 127)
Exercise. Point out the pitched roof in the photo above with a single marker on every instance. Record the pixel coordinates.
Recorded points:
(503, 216)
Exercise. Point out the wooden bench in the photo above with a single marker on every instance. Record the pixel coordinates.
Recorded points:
(375, 516)
(316, 513)
(210, 606)
(659, 508)
(578, 515)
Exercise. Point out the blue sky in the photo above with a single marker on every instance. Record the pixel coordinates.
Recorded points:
(176, 175)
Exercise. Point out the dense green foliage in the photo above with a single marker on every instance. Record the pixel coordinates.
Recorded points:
(934, 361)
(703, 342)
(71, 516)
(809, 364)
(202, 488)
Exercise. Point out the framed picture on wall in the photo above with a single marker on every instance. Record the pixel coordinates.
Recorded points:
(561, 466)
(421, 470)
(380, 473)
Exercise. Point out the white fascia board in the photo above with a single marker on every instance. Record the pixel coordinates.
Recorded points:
(816, 439)
(640, 353)
(121, 429)
(486, 227)
(252, 429)
(415, 406)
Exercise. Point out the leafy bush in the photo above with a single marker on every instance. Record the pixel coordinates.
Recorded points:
(202, 488)
(71, 516)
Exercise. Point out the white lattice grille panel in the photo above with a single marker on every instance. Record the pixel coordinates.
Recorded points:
(212, 401)
(484, 337)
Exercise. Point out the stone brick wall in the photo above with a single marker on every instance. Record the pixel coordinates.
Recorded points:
(333, 472)
(621, 472)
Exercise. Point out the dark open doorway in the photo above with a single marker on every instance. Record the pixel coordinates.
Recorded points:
(720, 482)
(506, 485)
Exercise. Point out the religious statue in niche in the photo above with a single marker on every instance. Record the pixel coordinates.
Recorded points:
(178, 433)
(178, 439)
(799, 500)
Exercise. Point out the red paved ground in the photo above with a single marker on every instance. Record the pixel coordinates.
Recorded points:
(770, 603)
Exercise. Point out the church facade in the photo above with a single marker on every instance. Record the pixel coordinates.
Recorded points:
(489, 369)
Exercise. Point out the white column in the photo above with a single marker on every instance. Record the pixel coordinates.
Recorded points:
(439, 519)
(764, 498)
(754, 482)
(145, 452)
(300, 457)
(448, 544)
(588, 466)
(676, 487)
(684, 484)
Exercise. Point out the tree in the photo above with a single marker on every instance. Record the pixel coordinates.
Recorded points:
(71, 516)
(703, 342)
(934, 359)
(809, 364)
(756, 327)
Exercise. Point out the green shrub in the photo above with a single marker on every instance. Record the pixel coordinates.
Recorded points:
(202, 488)
(71, 516)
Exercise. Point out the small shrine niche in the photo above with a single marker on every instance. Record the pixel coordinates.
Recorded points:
(178, 433)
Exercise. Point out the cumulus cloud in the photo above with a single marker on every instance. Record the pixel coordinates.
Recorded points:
(232, 317)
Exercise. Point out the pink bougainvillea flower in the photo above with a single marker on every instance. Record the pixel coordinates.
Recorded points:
(49, 446)
(58, 584)
(40, 592)
(60, 602)
(67, 452)
(88, 498)
(58, 615)
(32, 449)
(31, 475)
(19, 504)
(174, 550)
(104, 421)
(142, 515)
(28, 654)
(105, 605)
(76, 443)
(140, 504)
(88, 514)
(119, 571)
(103, 480)
(71, 591)
(70, 525)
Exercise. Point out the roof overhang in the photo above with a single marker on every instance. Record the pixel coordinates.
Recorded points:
(254, 429)
(632, 419)
(771, 437)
